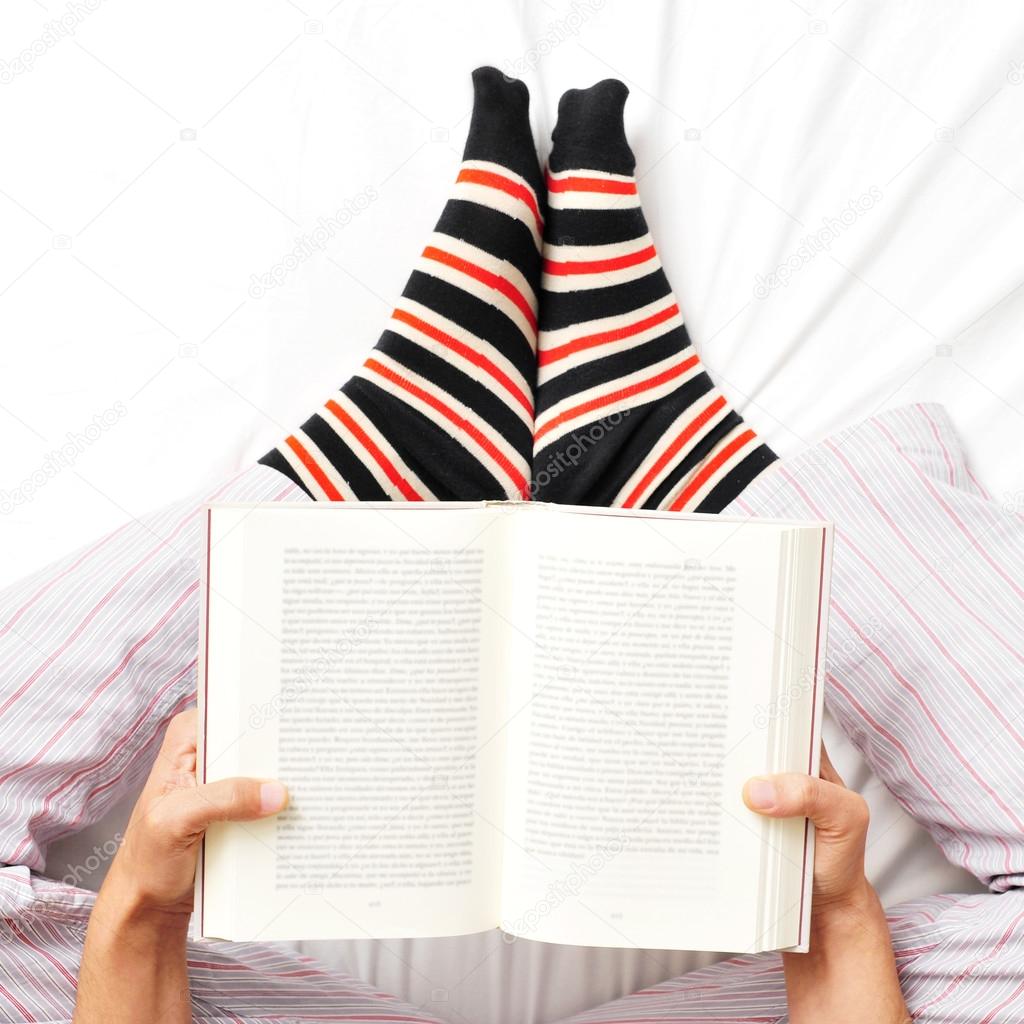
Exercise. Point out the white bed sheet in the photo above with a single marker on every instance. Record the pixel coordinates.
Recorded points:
(168, 156)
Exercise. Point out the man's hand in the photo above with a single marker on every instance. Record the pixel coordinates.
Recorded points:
(849, 975)
(133, 965)
(840, 819)
(156, 864)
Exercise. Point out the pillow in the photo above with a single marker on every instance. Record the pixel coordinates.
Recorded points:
(97, 652)
(925, 657)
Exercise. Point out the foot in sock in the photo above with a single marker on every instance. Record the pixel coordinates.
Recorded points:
(443, 407)
(626, 414)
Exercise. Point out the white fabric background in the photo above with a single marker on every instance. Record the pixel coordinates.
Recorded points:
(160, 155)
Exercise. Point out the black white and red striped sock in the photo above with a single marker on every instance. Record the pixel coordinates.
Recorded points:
(626, 414)
(443, 407)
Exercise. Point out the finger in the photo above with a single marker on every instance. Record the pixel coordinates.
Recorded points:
(180, 738)
(828, 771)
(176, 757)
(833, 808)
(187, 812)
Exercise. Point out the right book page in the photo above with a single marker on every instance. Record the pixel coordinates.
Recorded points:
(645, 706)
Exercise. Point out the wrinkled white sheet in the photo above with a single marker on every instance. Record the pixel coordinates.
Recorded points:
(163, 155)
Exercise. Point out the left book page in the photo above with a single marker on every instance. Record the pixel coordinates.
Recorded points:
(350, 653)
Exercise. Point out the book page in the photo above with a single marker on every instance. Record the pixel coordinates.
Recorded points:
(636, 732)
(794, 714)
(366, 686)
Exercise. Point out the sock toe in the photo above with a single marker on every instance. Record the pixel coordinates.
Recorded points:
(591, 131)
(500, 128)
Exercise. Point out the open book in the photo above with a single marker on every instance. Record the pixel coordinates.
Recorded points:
(525, 716)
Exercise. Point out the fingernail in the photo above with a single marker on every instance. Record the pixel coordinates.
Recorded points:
(273, 797)
(761, 793)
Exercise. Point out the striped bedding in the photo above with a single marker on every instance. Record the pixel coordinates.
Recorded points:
(924, 673)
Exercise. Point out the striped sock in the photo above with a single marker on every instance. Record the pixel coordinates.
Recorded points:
(443, 407)
(626, 414)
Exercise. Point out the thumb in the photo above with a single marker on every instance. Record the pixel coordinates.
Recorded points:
(836, 811)
(227, 800)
